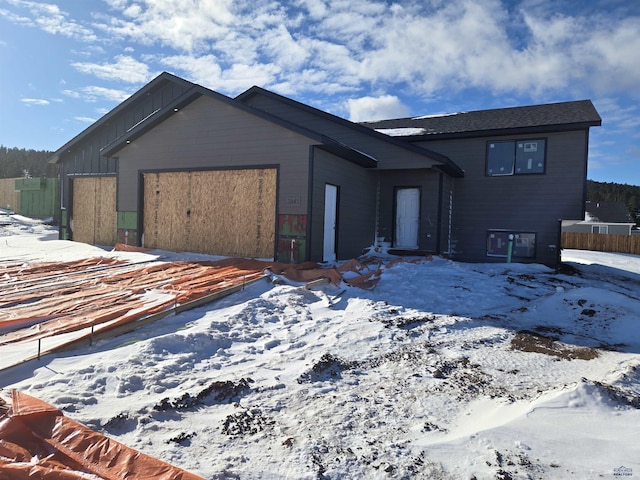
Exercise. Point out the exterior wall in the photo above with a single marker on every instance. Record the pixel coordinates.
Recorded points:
(38, 197)
(356, 205)
(388, 155)
(85, 156)
(428, 181)
(209, 134)
(522, 203)
(446, 215)
(128, 228)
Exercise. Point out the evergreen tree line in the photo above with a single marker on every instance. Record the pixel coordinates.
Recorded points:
(20, 163)
(615, 192)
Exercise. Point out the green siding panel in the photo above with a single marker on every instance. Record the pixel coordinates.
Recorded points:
(38, 196)
(128, 220)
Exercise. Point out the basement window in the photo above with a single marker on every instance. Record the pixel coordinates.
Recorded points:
(524, 244)
(516, 157)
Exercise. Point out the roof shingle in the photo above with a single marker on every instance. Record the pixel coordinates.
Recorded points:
(561, 116)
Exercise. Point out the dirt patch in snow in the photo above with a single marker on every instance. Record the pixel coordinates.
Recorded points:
(216, 392)
(529, 341)
(246, 422)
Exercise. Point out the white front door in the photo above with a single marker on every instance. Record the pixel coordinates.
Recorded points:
(330, 217)
(407, 218)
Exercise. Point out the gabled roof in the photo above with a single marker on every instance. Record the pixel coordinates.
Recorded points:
(562, 116)
(115, 112)
(447, 165)
(192, 92)
(607, 212)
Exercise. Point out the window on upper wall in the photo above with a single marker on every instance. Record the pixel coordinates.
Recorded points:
(599, 228)
(524, 244)
(516, 157)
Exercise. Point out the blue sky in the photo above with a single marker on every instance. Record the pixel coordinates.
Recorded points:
(65, 63)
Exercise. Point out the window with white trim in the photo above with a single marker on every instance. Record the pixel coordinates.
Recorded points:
(516, 157)
(599, 228)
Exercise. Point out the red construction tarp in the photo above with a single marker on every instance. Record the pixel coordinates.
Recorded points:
(38, 442)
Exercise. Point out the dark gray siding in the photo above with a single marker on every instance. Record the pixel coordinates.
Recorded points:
(356, 205)
(446, 214)
(389, 156)
(527, 203)
(212, 134)
(428, 182)
(84, 157)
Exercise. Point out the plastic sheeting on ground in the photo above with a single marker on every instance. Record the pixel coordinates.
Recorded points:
(45, 300)
(38, 442)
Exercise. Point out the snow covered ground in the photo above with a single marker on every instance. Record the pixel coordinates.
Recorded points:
(445, 370)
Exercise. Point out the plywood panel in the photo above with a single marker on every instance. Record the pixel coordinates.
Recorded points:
(9, 197)
(94, 210)
(223, 212)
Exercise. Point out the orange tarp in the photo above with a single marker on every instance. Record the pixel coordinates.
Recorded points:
(38, 441)
(47, 299)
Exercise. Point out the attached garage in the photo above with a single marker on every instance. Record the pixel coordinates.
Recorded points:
(179, 167)
(94, 214)
(223, 212)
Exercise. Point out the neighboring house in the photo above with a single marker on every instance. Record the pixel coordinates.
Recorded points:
(180, 167)
(603, 217)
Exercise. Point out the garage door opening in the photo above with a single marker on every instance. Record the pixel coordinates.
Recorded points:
(217, 212)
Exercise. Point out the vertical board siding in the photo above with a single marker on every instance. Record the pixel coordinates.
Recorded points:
(223, 212)
(85, 157)
(95, 218)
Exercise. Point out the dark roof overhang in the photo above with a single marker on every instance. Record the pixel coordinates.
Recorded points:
(539, 129)
(163, 77)
(446, 164)
(155, 118)
(346, 152)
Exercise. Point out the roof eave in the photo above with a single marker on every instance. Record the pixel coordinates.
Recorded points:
(566, 127)
(155, 119)
(448, 164)
(55, 157)
(344, 151)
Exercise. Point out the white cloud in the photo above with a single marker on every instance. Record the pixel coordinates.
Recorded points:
(48, 17)
(425, 48)
(71, 93)
(34, 101)
(95, 93)
(376, 108)
(85, 119)
(206, 71)
(125, 69)
(185, 25)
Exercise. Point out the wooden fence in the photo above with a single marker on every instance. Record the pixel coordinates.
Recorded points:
(602, 242)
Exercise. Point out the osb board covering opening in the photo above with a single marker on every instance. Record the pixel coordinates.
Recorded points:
(95, 218)
(9, 197)
(221, 212)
